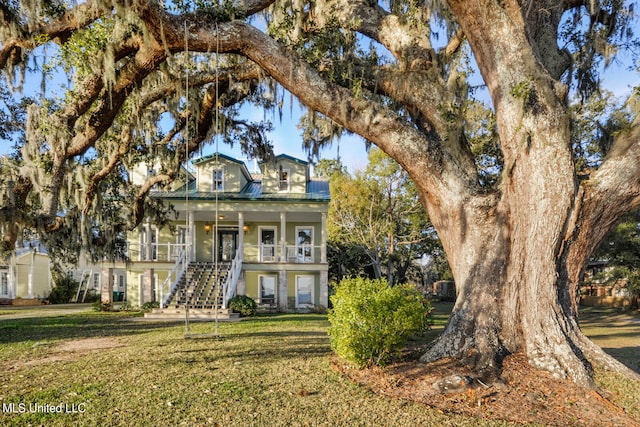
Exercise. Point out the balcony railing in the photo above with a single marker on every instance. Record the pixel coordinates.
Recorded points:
(165, 252)
(293, 254)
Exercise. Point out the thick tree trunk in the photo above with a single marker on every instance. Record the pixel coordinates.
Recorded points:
(511, 299)
(518, 255)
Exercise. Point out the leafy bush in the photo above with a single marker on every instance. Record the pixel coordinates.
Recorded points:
(64, 289)
(148, 306)
(371, 321)
(98, 305)
(92, 296)
(244, 305)
(126, 306)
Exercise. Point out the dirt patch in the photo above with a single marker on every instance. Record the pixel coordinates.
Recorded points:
(69, 350)
(524, 395)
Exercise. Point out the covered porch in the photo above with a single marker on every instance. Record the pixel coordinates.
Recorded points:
(255, 237)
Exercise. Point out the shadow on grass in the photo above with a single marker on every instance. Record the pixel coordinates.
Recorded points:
(230, 355)
(285, 317)
(629, 356)
(253, 347)
(72, 326)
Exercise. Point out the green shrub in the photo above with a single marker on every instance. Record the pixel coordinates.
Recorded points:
(98, 305)
(126, 306)
(371, 321)
(148, 306)
(244, 305)
(64, 289)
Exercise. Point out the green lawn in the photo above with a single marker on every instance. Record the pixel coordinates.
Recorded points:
(119, 370)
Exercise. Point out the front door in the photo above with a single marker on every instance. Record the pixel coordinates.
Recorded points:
(227, 245)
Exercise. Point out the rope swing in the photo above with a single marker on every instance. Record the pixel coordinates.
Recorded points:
(216, 243)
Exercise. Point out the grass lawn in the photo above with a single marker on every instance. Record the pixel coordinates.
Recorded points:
(113, 369)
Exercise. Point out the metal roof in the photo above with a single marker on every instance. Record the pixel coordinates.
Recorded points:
(317, 190)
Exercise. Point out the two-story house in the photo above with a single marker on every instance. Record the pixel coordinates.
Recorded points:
(260, 234)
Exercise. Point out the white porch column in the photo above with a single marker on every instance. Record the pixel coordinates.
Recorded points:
(106, 287)
(147, 294)
(191, 238)
(283, 291)
(30, 275)
(240, 249)
(323, 239)
(13, 277)
(147, 241)
(283, 237)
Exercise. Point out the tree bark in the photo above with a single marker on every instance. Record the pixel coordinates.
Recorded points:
(518, 263)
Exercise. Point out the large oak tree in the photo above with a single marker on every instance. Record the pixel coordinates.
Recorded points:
(517, 222)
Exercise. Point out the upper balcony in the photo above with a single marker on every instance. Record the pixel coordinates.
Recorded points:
(169, 252)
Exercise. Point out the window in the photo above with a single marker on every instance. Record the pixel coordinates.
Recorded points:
(96, 280)
(4, 283)
(267, 290)
(304, 244)
(148, 243)
(283, 179)
(267, 244)
(218, 180)
(304, 291)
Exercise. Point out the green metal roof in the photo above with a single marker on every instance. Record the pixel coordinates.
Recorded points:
(288, 157)
(317, 190)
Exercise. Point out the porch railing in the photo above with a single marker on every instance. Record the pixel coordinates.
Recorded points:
(171, 283)
(165, 252)
(295, 254)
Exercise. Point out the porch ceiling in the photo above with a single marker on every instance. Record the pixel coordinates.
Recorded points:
(230, 216)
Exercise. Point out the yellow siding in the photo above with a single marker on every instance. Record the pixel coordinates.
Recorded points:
(41, 275)
(234, 179)
(297, 179)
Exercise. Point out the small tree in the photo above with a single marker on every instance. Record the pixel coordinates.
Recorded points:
(371, 321)
(377, 214)
(63, 290)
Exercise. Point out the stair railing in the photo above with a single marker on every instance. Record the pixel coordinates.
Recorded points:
(173, 278)
(229, 286)
(83, 284)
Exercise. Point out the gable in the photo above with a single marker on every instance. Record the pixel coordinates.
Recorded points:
(218, 169)
(285, 174)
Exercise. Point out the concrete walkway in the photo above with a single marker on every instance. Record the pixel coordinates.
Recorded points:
(9, 312)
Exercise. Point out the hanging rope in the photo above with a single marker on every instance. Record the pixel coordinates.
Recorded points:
(217, 234)
(189, 231)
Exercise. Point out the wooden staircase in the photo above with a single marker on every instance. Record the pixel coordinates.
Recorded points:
(200, 289)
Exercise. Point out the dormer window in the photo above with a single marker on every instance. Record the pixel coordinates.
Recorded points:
(283, 179)
(218, 180)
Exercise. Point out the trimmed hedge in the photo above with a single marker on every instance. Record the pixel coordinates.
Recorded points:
(371, 321)
(244, 305)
